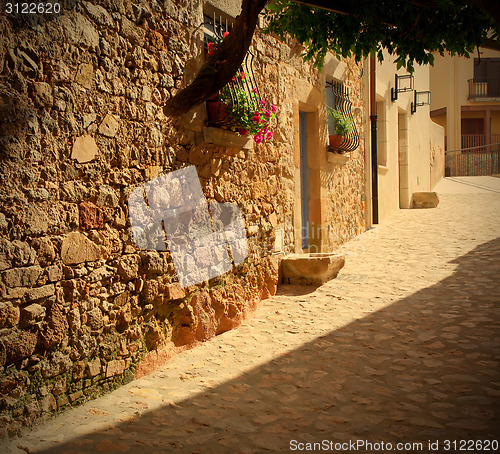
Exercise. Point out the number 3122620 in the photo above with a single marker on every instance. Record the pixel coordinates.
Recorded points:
(32, 8)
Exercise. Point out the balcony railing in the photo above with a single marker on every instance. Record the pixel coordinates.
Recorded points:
(484, 87)
(478, 156)
(476, 143)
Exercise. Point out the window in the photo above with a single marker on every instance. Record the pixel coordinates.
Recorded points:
(241, 97)
(342, 122)
(486, 82)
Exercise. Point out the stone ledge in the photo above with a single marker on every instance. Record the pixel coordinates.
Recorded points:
(224, 138)
(424, 200)
(311, 269)
(336, 158)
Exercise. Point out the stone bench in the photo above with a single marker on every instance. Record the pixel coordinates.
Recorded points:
(311, 269)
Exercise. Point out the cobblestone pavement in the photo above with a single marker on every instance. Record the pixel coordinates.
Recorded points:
(404, 346)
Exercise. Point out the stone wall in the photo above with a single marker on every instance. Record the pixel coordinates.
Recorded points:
(82, 308)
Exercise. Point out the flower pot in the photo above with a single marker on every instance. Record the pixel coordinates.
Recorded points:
(335, 140)
(216, 110)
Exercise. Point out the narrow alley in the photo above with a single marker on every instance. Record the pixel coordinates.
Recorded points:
(403, 347)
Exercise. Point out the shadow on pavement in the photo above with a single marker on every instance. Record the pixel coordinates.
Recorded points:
(424, 368)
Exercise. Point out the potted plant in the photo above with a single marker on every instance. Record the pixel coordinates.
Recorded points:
(238, 109)
(242, 111)
(343, 127)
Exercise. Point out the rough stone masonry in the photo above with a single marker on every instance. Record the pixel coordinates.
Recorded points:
(82, 309)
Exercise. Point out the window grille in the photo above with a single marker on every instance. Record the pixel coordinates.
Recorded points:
(242, 94)
(343, 104)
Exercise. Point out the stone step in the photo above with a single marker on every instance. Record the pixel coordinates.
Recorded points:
(311, 269)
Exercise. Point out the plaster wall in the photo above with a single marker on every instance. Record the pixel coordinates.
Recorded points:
(405, 139)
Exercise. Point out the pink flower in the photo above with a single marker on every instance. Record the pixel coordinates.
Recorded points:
(256, 117)
(263, 103)
(258, 138)
(210, 48)
(225, 34)
(242, 75)
(242, 132)
(273, 108)
(269, 135)
(254, 90)
(267, 113)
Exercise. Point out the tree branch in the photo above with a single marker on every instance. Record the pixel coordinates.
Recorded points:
(222, 65)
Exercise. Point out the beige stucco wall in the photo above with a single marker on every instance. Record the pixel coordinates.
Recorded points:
(405, 141)
(437, 160)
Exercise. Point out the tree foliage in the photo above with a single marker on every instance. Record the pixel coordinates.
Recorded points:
(409, 30)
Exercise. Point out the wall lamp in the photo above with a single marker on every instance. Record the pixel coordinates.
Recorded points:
(402, 84)
(422, 98)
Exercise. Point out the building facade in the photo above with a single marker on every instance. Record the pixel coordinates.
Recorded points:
(83, 309)
(410, 147)
(467, 99)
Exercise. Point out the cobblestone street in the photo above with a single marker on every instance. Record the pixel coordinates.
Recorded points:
(404, 346)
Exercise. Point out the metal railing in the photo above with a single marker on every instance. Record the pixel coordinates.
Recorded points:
(484, 87)
(242, 94)
(479, 141)
(470, 162)
(344, 105)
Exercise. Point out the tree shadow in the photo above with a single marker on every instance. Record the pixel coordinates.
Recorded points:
(424, 368)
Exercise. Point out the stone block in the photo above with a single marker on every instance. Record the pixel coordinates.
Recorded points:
(132, 32)
(21, 277)
(225, 138)
(109, 126)
(152, 262)
(175, 291)
(54, 273)
(9, 315)
(43, 94)
(60, 387)
(84, 149)
(424, 200)
(54, 327)
(91, 216)
(15, 253)
(48, 403)
(98, 14)
(79, 31)
(93, 367)
(77, 248)
(84, 75)
(55, 364)
(75, 396)
(315, 269)
(19, 345)
(45, 251)
(95, 319)
(36, 220)
(107, 196)
(74, 320)
(115, 367)
(128, 267)
(78, 370)
(32, 314)
(38, 293)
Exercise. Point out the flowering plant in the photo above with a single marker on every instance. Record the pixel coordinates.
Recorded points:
(211, 46)
(250, 116)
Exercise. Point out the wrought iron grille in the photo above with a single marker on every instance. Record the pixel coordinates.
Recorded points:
(242, 94)
(344, 105)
